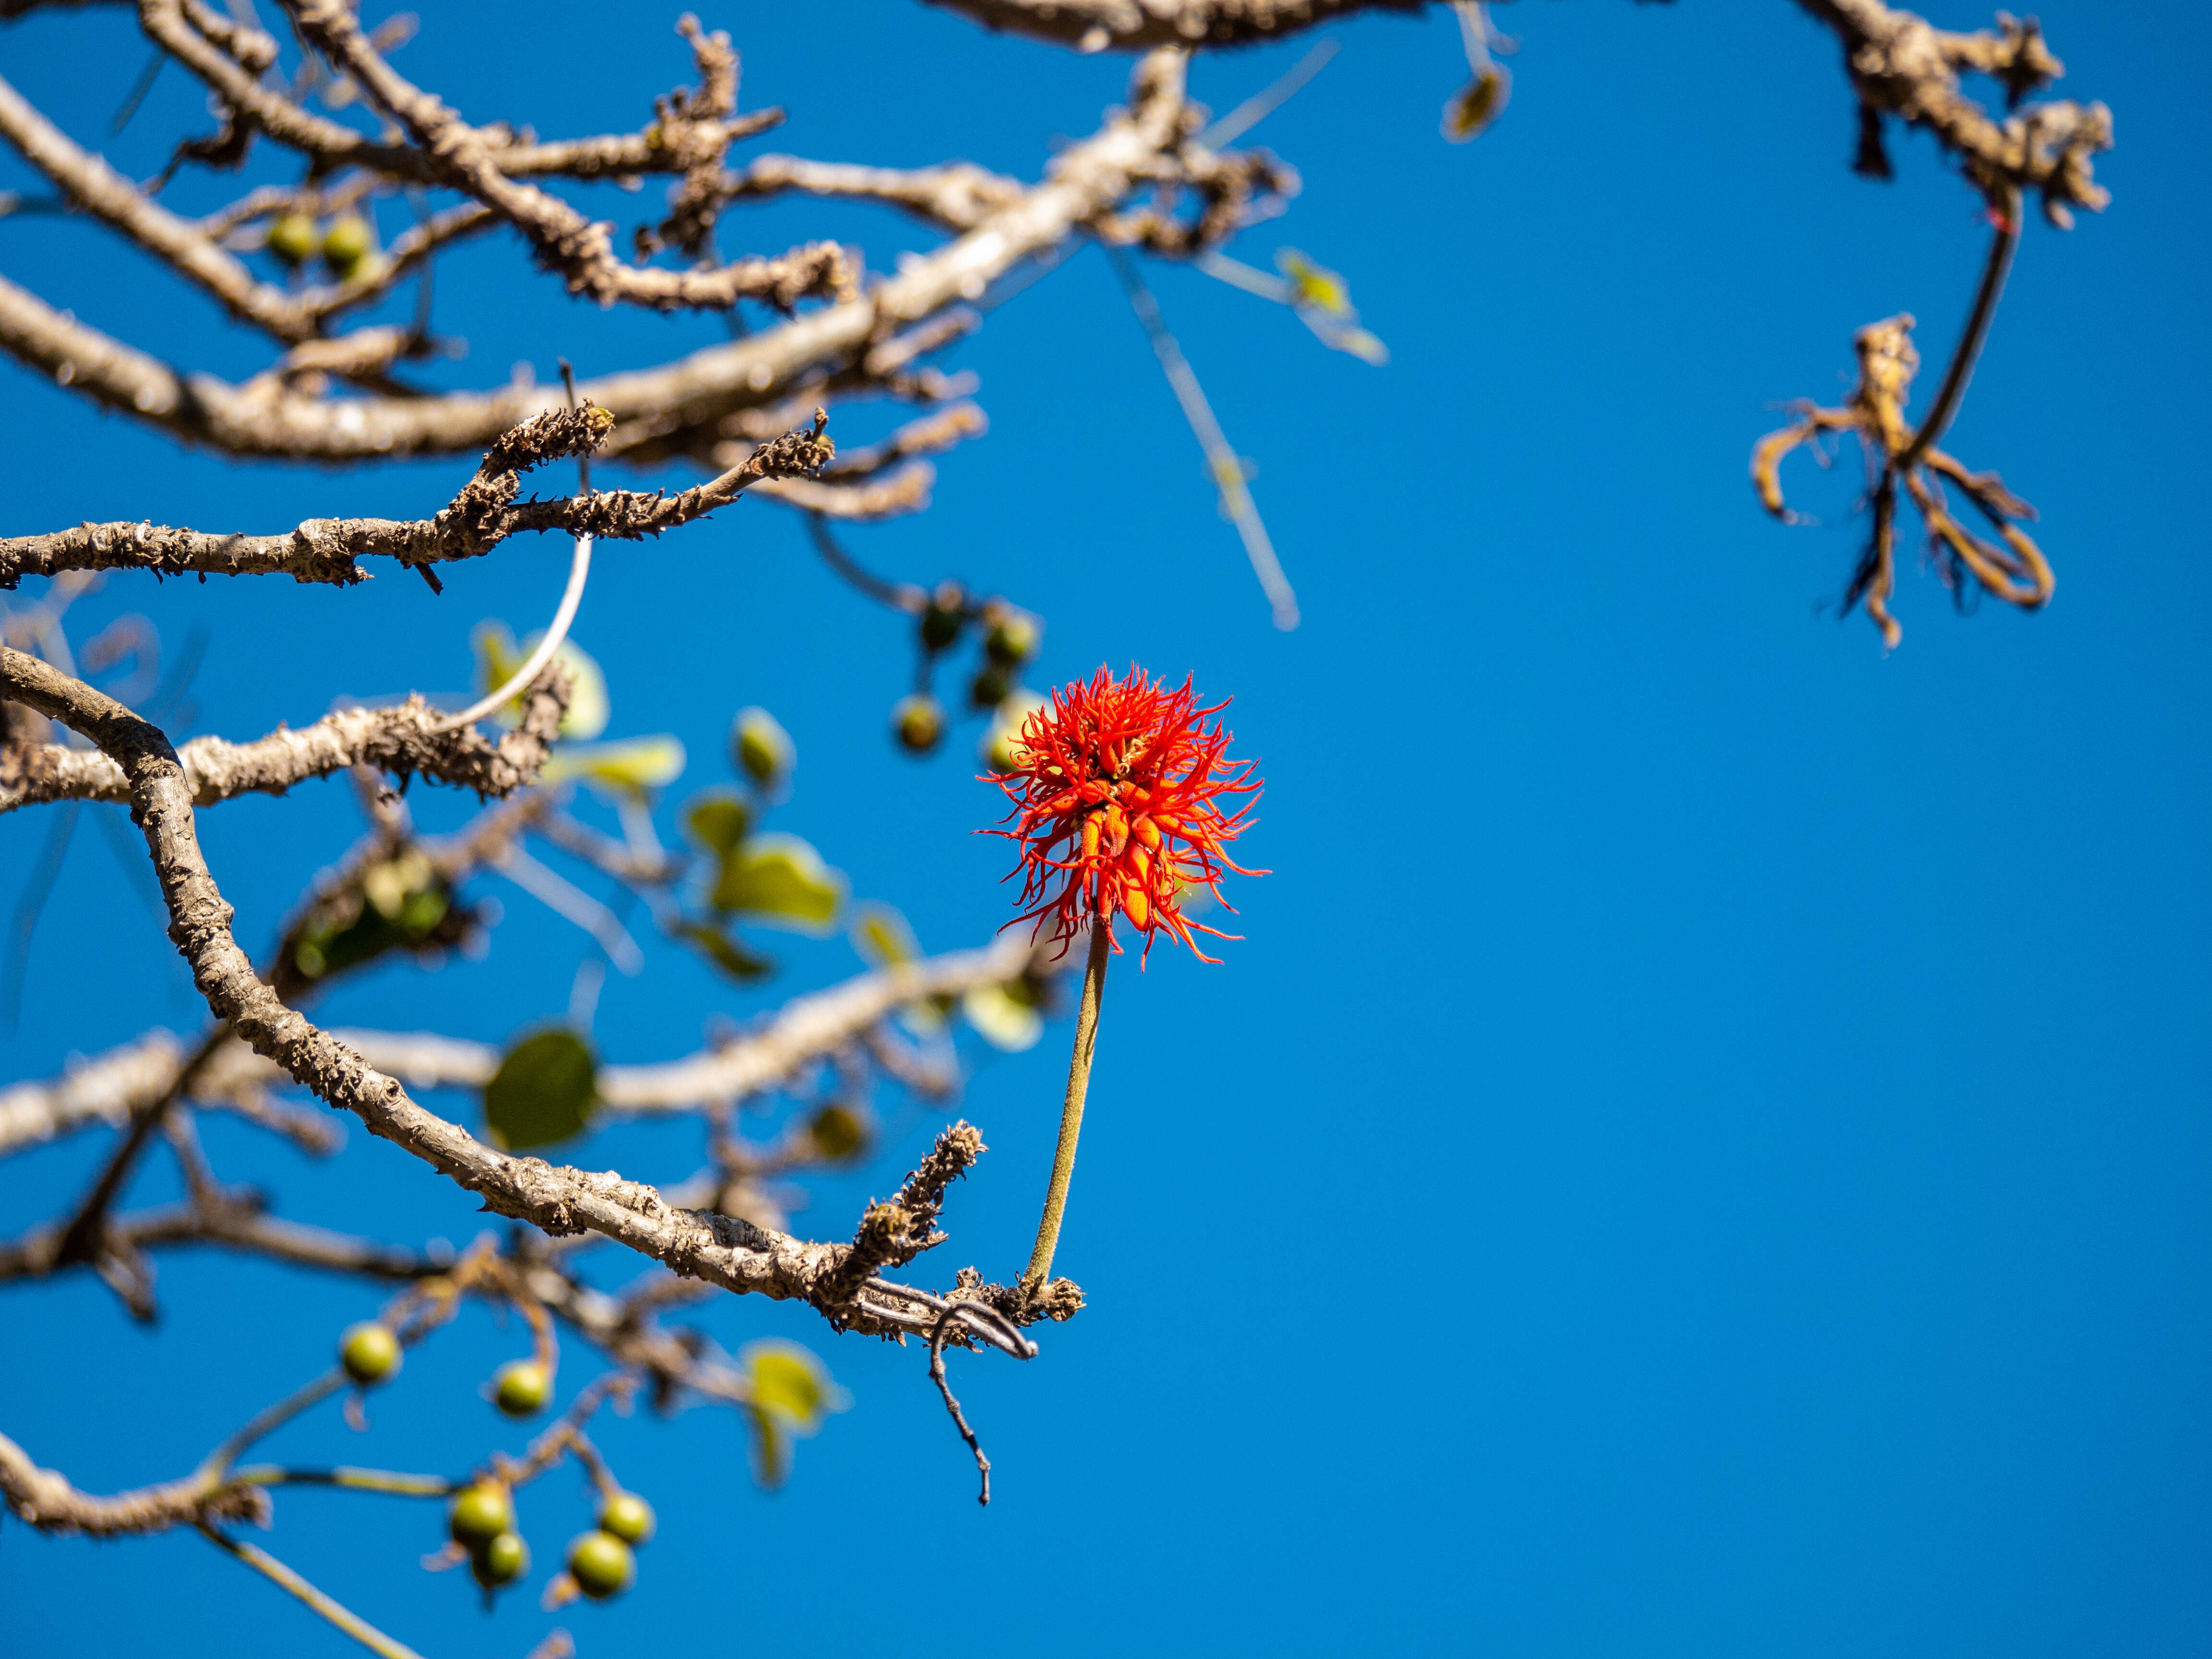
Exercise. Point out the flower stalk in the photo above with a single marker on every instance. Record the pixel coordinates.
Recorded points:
(1039, 1272)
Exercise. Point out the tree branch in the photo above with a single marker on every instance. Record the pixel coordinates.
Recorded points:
(483, 515)
(1086, 179)
(1901, 65)
(401, 740)
(1135, 25)
(559, 1201)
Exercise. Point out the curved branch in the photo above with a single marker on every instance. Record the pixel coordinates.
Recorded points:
(46, 1499)
(402, 740)
(559, 1201)
(1086, 179)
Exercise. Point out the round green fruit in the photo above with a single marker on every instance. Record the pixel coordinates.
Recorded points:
(521, 1387)
(942, 622)
(1013, 640)
(347, 242)
(628, 1516)
(292, 237)
(837, 1134)
(501, 1560)
(991, 687)
(370, 1354)
(480, 1513)
(602, 1565)
(919, 720)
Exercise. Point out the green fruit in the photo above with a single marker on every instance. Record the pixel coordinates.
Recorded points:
(989, 688)
(292, 237)
(628, 1516)
(521, 1387)
(504, 1558)
(347, 242)
(1013, 640)
(945, 618)
(369, 1353)
(601, 1564)
(837, 1134)
(919, 720)
(480, 1513)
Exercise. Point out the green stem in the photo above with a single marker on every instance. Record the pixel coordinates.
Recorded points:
(277, 1573)
(218, 1464)
(1071, 1112)
(403, 1485)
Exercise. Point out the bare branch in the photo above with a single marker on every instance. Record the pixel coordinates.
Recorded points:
(1901, 65)
(1086, 179)
(47, 1501)
(580, 250)
(402, 740)
(1134, 25)
(559, 1201)
(483, 515)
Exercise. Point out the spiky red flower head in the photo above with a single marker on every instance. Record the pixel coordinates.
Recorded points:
(1117, 787)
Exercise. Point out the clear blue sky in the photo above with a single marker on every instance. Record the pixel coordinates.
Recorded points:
(1704, 1149)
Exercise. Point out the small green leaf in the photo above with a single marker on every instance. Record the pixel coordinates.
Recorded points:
(782, 878)
(628, 768)
(790, 1386)
(724, 953)
(718, 821)
(1476, 105)
(498, 657)
(1006, 1021)
(1313, 285)
(771, 1450)
(762, 748)
(543, 1092)
(882, 936)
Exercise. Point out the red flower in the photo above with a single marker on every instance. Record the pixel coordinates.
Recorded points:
(1116, 785)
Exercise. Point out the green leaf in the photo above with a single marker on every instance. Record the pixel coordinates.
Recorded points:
(1007, 1021)
(543, 1092)
(1476, 105)
(771, 1450)
(498, 657)
(781, 877)
(718, 821)
(628, 768)
(761, 747)
(882, 936)
(1313, 285)
(398, 903)
(724, 953)
(791, 1387)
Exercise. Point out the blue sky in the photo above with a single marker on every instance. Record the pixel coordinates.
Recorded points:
(1704, 1149)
